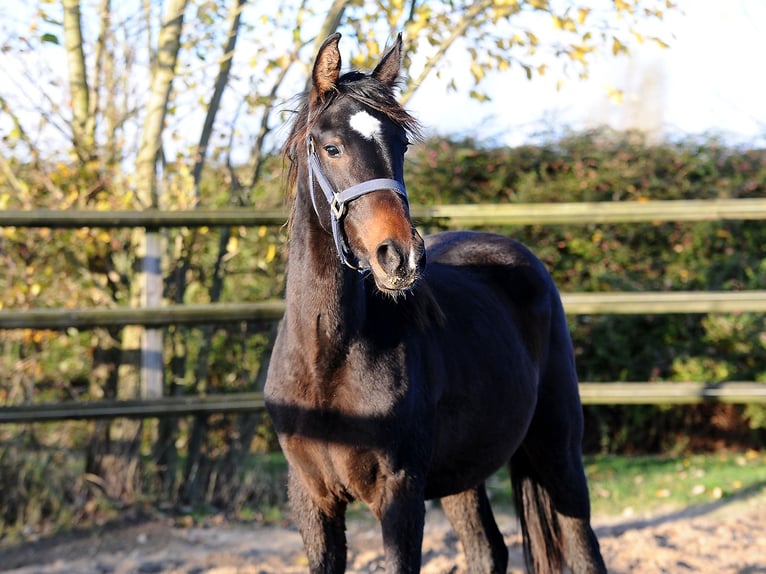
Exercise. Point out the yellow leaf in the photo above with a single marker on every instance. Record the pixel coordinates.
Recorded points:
(233, 244)
(414, 27)
(271, 253)
(477, 71)
(372, 48)
(579, 52)
(615, 95)
(582, 14)
(618, 47)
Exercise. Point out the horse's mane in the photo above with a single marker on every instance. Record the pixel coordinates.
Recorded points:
(364, 89)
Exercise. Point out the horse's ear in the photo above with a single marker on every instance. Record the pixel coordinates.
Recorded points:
(326, 68)
(387, 70)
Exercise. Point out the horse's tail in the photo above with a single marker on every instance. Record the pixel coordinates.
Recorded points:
(540, 529)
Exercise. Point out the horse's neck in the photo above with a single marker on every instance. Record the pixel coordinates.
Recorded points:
(325, 300)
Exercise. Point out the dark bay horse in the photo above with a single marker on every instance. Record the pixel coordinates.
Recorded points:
(393, 381)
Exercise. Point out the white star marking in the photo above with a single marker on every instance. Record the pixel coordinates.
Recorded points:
(365, 124)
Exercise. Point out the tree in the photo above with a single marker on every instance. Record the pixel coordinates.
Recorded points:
(179, 104)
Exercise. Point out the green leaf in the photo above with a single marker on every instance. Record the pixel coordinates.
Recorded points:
(50, 38)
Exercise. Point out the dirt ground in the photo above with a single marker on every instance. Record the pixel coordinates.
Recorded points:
(728, 536)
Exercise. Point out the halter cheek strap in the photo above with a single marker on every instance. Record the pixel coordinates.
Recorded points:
(338, 200)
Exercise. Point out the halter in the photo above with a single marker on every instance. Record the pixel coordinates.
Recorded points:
(338, 200)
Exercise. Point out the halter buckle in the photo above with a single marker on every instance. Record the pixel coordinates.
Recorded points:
(337, 206)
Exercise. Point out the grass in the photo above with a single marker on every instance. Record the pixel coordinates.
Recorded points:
(635, 485)
(631, 485)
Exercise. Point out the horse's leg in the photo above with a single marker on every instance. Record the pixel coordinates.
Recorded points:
(548, 476)
(402, 515)
(323, 530)
(554, 512)
(483, 544)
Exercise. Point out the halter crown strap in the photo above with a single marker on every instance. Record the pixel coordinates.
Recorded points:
(338, 200)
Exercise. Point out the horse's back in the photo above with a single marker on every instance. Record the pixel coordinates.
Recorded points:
(503, 268)
(476, 248)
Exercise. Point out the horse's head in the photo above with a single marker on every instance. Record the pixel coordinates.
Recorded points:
(355, 137)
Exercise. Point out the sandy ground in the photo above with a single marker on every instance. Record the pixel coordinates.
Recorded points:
(728, 536)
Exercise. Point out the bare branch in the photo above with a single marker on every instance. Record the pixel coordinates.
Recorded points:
(469, 18)
(99, 64)
(221, 81)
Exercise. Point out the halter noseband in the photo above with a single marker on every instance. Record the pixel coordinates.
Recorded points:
(338, 200)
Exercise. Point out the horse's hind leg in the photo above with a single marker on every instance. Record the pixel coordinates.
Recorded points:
(550, 487)
(471, 517)
(323, 530)
(555, 516)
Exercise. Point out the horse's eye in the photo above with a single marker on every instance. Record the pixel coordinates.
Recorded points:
(332, 150)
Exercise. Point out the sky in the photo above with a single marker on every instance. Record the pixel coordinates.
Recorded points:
(711, 81)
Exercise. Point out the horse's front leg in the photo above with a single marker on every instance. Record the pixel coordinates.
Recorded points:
(402, 515)
(322, 528)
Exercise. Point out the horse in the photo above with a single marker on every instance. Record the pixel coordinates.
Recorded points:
(408, 369)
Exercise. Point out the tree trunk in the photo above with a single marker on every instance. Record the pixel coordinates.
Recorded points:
(119, 464)
(167, 455)
(83, 123)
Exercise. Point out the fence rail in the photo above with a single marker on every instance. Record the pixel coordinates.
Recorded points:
(444, 216)
(647, 303)
(439, 215)
(590, 394)
(59, 319)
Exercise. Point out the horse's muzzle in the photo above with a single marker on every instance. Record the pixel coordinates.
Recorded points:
(399, 266)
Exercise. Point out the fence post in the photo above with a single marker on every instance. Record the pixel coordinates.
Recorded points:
(152, 365)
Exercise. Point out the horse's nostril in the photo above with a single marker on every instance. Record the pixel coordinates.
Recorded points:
(389, 256)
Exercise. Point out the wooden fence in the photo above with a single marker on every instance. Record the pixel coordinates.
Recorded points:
(447, 216)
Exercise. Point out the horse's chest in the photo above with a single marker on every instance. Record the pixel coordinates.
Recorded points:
(335, 471)
(346, 435)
